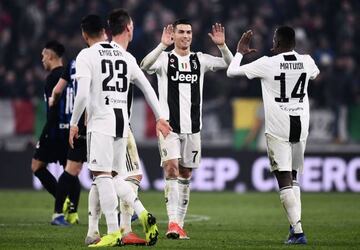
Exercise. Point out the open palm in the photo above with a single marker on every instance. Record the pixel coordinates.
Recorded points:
(217, 34)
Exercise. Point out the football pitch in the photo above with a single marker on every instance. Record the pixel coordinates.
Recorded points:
(215, 221)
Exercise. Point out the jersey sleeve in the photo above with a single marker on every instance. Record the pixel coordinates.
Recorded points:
(314, 70)
(83, 68)
(156, 66)
(66, 73)
(140, 80)
(153, 62)
(255, 69)
(212, 63)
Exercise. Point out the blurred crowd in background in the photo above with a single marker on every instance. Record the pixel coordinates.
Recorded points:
(327, 30)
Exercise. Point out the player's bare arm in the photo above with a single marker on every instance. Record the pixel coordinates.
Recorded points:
(217, 34)
(57, 91)
(243, 46)
(167, 35)
(74, 133)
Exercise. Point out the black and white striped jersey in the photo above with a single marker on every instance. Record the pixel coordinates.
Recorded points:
(284, 83)
(104, 72)
(180, 87)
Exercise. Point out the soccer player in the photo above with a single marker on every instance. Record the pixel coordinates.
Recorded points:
(284, 80)
(180, 75)
(69, 184)
(53, 144)
(104, 71)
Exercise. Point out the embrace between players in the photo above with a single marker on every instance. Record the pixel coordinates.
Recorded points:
(103, 75)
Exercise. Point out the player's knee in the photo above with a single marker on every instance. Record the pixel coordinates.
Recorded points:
(73, 167)
(185, 173)
(36, 165)
(283, 178)
(171, 169)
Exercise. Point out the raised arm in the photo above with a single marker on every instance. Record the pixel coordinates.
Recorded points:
(166, 41)
(242, 49)
(217, 35)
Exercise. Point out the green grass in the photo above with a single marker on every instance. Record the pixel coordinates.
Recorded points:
(246, 221)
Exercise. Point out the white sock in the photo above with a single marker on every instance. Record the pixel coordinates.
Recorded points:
(108, 201)
(172, 198)
(297, 193)
(287, 198)
(126, 210)
(127, 194)
(94, 211)
(184, 198)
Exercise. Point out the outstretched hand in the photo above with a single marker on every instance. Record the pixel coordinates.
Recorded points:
(163, 128)
(217, 34)
(167, 35)
(244, 43)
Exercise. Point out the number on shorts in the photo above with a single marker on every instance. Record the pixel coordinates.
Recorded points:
(195, 154)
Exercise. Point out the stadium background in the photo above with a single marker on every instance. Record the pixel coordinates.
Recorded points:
(233, 142)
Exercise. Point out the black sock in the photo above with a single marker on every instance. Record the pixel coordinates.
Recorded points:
(74, 193)
(47, 180)
(68, 185)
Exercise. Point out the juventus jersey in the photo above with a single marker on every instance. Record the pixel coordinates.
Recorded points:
(284, 82)
(180, 87)
(110, 69)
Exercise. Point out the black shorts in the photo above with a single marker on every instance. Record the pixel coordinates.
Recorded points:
(78, 153)
(51, 150)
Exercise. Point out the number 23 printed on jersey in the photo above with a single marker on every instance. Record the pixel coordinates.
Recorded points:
(114, 82)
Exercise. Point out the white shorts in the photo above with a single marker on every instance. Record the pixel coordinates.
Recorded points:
(105, 153)
(284, 155)
(132, 158)
(185, 147)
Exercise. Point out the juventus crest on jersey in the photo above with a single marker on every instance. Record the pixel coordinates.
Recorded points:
(180, 86)
(284, 80)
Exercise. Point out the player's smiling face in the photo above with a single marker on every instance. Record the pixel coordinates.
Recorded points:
(182, 36)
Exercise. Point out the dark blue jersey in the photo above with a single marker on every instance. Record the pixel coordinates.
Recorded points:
(57, 124)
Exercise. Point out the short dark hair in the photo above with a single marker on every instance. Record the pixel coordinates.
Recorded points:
(117, 20)
(286, 37)
(55, 46)
(181, 21)
(92, 25)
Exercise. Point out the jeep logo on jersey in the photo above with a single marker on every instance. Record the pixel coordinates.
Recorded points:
(184, 77)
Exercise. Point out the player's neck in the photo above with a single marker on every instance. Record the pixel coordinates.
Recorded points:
(182, 52)
(122, 40)
(284, 50)
(95, 40)
(56, 64)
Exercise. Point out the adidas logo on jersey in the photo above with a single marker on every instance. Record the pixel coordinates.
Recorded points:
(94, 161)
(184, 77)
